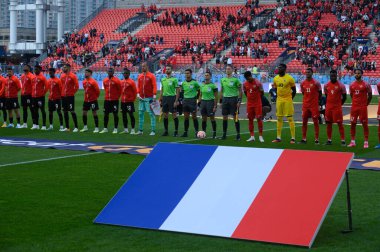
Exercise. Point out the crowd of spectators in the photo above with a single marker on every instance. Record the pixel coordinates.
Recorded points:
(74, 47)
(132, 49)
(320, 45)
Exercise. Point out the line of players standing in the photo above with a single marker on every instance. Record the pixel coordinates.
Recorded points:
(194, 97)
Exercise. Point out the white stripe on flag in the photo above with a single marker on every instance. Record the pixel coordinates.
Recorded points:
(223, 191)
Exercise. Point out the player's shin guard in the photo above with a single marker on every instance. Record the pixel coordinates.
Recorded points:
(204, 125)
(316, 128)
(341, 131)
(125, 119)
(186, 124)
(66, 115)
(84, 118)
(329, 130)
(196, 124)
(366, 131)
(5, 115)
(237, 127)
(166, 124)
(74, 116)
(280, 122)
(260, 124)
(304, 128)
(60, 118)
(43, 112)
(353, 131)
(133, 120)
(106, 119)
(96, 120)
(213, 124)
(176, 122)
(116, 119)
(25, 114)
(225, 126)
(292, 127)
(51, 117)
(251, 127)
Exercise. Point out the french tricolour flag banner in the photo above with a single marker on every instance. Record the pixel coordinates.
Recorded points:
(270, 195)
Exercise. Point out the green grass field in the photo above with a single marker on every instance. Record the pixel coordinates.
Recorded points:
(50, 205)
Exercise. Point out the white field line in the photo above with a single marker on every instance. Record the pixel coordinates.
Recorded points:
(49, 159)
(242, 133)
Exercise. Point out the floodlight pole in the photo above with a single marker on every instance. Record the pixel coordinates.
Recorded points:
(349, 209)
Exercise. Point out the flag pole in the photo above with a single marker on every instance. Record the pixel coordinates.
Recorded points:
(349, 209)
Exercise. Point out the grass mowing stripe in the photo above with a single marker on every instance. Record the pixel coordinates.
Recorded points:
(49, 159)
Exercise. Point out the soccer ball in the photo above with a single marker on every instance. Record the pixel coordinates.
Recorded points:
(201, 134)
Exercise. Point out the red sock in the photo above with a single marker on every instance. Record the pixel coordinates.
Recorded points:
(366, 131)
(316, 128)
(250, 126)
(260, 124)
(329, 131)
(304, 127)
(341, 131)
(353, 131)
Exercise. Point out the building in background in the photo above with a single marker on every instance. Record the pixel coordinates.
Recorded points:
(75, 12)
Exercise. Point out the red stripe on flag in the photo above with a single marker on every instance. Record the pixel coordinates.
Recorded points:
(295, 197)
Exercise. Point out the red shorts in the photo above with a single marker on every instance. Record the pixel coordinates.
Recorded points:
(334, 115)
(362, 113)
(310, 112)
(254, 112)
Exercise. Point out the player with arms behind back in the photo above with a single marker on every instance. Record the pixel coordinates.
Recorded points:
(336, 95)
(230, 97)
(169, 99)
(91, 95)
(54, 103)
(361, 94)
(312, 92)
(286, 91)
(128, 97)
(209, 102)
(112, 92)
(70, 86)
(2, 100)
(26, 94)
(253, 89)
(11, 88)
(378, 115)
(39, 89)
(190, 88)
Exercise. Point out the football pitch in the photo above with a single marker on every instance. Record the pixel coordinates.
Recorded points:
(49, 198)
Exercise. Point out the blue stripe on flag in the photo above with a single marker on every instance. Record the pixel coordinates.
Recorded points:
(157, 186)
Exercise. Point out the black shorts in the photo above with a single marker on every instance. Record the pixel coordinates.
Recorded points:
(128, 107)
(26, 101)
(54, 105)
(189, 105)
(68, 103)
(38, 102)
(11, 103)
(94, 106)
(2, 103)
(168, 104)
(207, 108)
(111, 106)
(229, 105)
